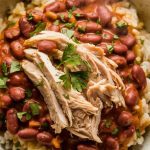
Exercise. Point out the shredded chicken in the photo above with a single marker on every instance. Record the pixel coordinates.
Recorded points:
(105, 87)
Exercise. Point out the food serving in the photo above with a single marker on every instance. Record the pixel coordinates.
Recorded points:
(74, 76)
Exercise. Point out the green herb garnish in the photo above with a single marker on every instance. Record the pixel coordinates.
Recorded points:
(108, 123)
(116, 37)
(28, 93)
(21, 114)
(15, 67)
(3, 81)
(38, 28)
(30, 17)
(69, 25)
(121, 24)
(35, 109)
(110, 48)
(67, 32)
(142, 41)
(56, 22)
(10, 24)
(115, 131)
(138, 133)
(4, 69)
(81, 29)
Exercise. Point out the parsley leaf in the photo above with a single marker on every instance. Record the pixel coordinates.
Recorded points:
(62, 17)
(138, 133)
(39, 27)
(56, 22)
(110, 48)
(108, 123)
(69, 25)
(28, 116)
(115, 131)
(81, 29)
(4, 69)
(21, 114)
(121, 24)
(15, 67)
(3, 81)
(116, 37)
(35, 109)
(67, 32)
(66, 80)
(28, 93)
(30, 17)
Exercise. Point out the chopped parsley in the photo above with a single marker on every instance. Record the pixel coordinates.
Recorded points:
(108, 123)
(38, 28)
(121, 24)
(77, 80)
(69, 25)
(15, 67)
(35, 109)
(56, 22)
(110, 48)
(30, 17)
(142, 41)
(138, 133)
(21, 114)
(4, 69)
(105, 36)
(62, 17)
(78, 15)
(115, 131)
(10, 24)
(67, 32)
(28, 93)
(3, 81)
(70, 11)
(81, 29)
(75, 40)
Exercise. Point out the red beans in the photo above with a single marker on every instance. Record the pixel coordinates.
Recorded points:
(54, 28)
(18, 79)
(92, 16)
(37, 15)
(112, 144)
(12, 33)
(128, 40)
(47, 46)
(57, 6)
(104, 14)
(130, 56)
(120, 48)
(85, 147)
(17, 49)
(131, 95)
(28, 133)
(26, 27)
(17, 93)
(107, 36)
(8, 60)
(125, 119)
(12, 121)
(139, 76)
(90, 38)
(90, 26)
(44, 138)
(6, 100)
(71, 3)
(119, 60)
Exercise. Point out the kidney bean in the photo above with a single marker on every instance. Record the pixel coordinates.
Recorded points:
(71, 3)
(44, 138)
(85, 147)
(12, 121)
(89, 26)
(6, 100)
(18, 79)
(112, 144)
(130, 56)
(36, 14)
(92, 16)
(103, 45)
(54, 28)
(107, 36)
(26, 27)
(120, 48)
(17, 49)
(139, 76)
(126, 134)
(57, 6)
(121, 31)
(119, 60)
(125, 73)
(28, 134)
(47, 46)
(125, 119)
(79, 13)
(128, 40)
(131, 95)
(90, 38)
(104, 14)
(17, 93)
(12, 33)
